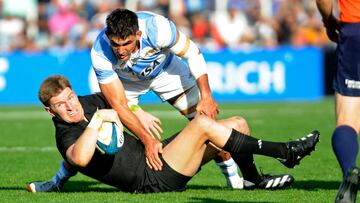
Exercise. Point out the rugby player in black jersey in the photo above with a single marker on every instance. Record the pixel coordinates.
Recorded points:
(78, 119)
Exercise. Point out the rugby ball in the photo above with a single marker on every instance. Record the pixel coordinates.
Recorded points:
(110, 138)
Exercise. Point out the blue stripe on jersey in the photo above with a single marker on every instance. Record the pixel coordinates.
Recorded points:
(102, 46)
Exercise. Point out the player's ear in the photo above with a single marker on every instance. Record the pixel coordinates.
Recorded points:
(138, 35)
(49, 111)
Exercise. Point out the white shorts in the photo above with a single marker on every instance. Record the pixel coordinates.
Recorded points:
(174, 80)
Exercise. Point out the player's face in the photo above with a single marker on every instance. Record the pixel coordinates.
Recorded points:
(124, 47)
(66, 106)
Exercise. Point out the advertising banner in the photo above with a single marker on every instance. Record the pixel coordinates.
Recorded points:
(258, 75)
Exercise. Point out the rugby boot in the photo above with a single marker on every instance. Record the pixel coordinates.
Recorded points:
(349, 186)
(275, 182)
(300, 148)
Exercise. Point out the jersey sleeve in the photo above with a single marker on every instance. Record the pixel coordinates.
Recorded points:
(65, 137)
(103, 59)
(103, 68)
(165, 32)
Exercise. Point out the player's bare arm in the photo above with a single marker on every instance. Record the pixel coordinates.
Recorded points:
(81, 152)
(331, 23)
(207, 104)
(115, 95)
(186, 48)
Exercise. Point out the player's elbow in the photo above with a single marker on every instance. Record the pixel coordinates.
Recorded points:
(77, 159)
(79, 162)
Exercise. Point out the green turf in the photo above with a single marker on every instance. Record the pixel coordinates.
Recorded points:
(27, 153)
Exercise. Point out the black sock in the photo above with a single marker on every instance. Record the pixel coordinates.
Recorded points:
(247, 167)
(241, 143)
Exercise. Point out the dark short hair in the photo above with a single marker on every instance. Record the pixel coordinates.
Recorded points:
(51, 87)
(121, 23)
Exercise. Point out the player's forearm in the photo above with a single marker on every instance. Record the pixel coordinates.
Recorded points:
(83, 150)
(203, 85)
(130, 120)
(115, 95)
(325, 8)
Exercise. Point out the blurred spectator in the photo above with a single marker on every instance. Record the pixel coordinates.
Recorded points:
(61, 22)
(42, 39)
(97, 22)
(231, 28)
(12, 29)
(287, 16)
(264, 27)
(214, 24)
(311, 32)
(27, 10)
(161, 7)
(18, 25)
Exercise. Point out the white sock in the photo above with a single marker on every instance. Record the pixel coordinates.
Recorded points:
(230, 171)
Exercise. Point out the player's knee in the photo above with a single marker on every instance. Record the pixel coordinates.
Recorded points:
(356, 126)
(240, 124)
(202, 123)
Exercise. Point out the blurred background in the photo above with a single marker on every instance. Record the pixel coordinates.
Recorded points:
(256, 50)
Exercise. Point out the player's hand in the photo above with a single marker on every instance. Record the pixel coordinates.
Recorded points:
(332, 26)
(208, 107)
(152, 149)
(151, 123)
(109, 115)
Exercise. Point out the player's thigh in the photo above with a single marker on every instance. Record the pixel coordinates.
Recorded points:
(185, 152)
(186, 102)
(348, 111)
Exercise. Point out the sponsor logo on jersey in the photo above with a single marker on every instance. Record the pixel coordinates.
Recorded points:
(352, 84)
(148, 51)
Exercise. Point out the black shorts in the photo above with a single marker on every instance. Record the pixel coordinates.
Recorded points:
(347, 76)
(166, 180)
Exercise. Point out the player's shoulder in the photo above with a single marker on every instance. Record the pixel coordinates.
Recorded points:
(159, 30)
(101, 48)
(152, 20)
(96, 100)
(101, 43)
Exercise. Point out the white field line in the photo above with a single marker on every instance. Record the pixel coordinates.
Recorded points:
(27, 149)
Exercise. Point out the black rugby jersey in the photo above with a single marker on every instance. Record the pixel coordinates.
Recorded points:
(122, 170)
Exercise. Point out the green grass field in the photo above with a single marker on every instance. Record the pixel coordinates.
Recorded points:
(28, 153)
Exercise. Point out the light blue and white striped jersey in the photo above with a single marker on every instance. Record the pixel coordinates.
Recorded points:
(158, 35)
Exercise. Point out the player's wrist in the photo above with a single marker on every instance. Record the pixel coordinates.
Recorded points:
(329, 22)
(95, 122)
(134, 107)
(149, 140)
